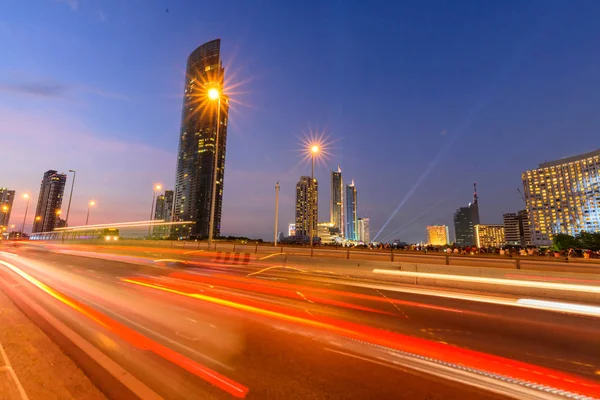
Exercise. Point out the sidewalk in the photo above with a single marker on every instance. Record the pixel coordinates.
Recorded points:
(32, 367)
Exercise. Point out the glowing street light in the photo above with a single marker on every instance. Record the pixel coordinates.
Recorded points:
(314, 151)
(156, 188)
(215, 95)
(26, 197)
(90, 205)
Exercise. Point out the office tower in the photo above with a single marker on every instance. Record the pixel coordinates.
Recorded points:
(292, 230)
(163, 211)
(6, 204)
(49, 201)
(196, 154)
(516, 228)
(337, 200)
(350, 211)
(437, 235)
(489, 235)
(307, 205)
(363, 230)
(563, 196)
(465, 218)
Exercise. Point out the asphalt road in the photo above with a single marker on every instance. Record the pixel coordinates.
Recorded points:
(282, 334)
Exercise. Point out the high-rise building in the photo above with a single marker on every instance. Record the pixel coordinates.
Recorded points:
(465, 218)
(197, 142)
(363, 230)
(307, 206)
(350, 211)
(49, 201)
(563, 196)
(437, 235)
(516, 228)
(163, 212)
(6, 204)
(337, 200)
(489, 235)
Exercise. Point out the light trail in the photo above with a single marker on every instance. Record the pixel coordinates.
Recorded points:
(494, 281)
(487, 363)
(560, 306)
(138, 340)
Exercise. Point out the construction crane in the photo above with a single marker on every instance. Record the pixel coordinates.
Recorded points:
(522, 197)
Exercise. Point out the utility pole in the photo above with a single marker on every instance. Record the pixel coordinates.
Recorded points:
(276, 212)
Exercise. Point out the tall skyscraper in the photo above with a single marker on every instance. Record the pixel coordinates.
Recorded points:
(197, 142)
(563, 196)
(307, 192)
(363, 230)
(465, 218)
(6, 204)
(516, 228)
(489, 235)
(49, 201)
(337, 200)
(350, 210)
(163, 212)
(437, 235)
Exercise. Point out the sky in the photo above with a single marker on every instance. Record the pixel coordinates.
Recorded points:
(418, 100)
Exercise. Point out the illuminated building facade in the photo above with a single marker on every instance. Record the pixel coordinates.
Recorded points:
(363, 230)
(337, 200)
(307, 205)
(350, 210)
(6, 204)
(563, 196)
(489, 235)
(197, 143)
(163, 212)
(465, 218)
(49, 201)
(437, 235)
(516, 229)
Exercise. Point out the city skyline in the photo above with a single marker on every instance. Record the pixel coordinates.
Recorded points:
(138, 111)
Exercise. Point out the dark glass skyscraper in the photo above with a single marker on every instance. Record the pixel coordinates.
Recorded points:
(49, 201)
(351, 219)
(6, 204)
(336, 206)
(465, 219)
(197, 142)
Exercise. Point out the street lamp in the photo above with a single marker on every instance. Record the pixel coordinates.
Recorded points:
(26, 197)
(90, 205)
(215, 95)
(154, 190)
(70, 197)
(314, 150)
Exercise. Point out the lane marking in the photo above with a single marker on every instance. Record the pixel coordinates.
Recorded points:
(275, 266)
(167, 260)
(193, 251)
(9, 369)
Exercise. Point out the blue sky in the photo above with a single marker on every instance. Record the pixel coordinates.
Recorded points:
(420, 99)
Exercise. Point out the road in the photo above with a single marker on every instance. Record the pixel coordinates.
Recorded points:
(209, 331)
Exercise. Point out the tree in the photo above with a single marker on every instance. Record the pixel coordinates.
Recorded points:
(589, 240)
(562, 241)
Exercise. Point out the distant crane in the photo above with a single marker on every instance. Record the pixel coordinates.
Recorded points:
(522, 197)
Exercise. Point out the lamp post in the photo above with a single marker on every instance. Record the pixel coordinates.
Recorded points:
(26, 197)
(215, 95)
(314, 150)
(70, 197)
(91, 203)
(276, 213)
(154, 189)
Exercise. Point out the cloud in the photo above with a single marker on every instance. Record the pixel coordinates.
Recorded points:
(101, 16)
(56, 90)
(443, 132)
(42, 89)
(74, 4)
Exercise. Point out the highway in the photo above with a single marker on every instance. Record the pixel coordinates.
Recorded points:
(204, 330)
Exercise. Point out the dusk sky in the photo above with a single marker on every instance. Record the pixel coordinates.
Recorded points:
(419, 99)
